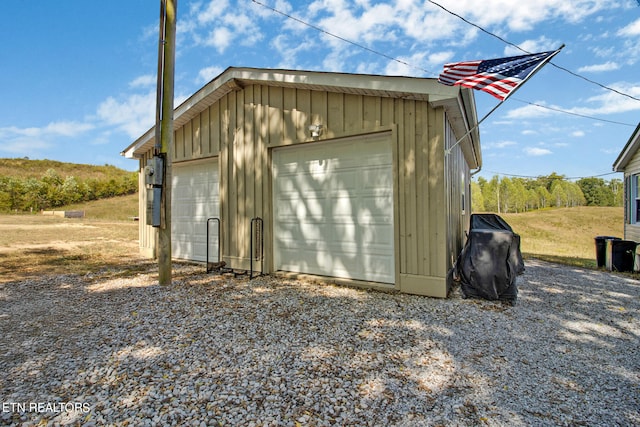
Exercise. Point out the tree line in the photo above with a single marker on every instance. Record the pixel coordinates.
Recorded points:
(513, 195)
(52, 190)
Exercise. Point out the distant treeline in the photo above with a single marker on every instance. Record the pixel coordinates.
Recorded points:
(25, 192)
(505, 195)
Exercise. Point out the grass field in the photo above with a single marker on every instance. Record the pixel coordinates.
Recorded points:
(33, 244)
(566, 235)
(108, 237)
(116, 208)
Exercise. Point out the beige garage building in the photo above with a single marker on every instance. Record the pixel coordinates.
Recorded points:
(355, 177)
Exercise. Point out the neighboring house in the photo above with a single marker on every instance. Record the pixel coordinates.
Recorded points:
(628, 161)
(370, 196)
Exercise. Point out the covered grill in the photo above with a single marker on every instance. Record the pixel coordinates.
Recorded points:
(491, 260)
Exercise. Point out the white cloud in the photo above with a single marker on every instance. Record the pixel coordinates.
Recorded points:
(69, 129)
(536, 151)
(541, 44)
(24, 146)
(409, 27)
(133, 115)
(395, 68)
(207, 74)
(499, 144)
(630, 30)
(524, 15)
(578, 133)
(211, 12)
(440, 58)
(289, 47)
(529, 112)
(144, 81)
(220, 38)
(599, 68)
(32, 141)
(609, 102)
(218, 24)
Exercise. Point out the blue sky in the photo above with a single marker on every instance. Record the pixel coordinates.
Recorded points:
(78, 77)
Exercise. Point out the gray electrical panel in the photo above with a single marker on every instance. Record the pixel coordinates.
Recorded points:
(153, 175)
(154, 194)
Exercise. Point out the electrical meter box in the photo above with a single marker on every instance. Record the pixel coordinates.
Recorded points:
(153, 174)
(154, 194)
(153, 171)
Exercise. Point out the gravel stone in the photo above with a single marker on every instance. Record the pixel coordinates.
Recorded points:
(210, 350)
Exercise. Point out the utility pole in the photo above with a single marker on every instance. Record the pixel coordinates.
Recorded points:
(164, 130)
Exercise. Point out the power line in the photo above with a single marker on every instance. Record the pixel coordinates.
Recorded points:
(572, 113)
(391, 58)
(525, 51)
(428, 72)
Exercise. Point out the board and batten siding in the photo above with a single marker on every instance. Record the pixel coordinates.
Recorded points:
(244, 125)
(458, 190)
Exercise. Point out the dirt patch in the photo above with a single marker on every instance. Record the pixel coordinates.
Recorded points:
(35, 245)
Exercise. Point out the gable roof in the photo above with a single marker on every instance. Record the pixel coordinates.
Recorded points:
(629, 150)
(458, 102)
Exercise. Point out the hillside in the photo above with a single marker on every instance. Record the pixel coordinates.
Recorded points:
(32, 185)
(566, 234)
(26, 168)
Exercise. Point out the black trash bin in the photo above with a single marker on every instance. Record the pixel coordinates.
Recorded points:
(623, 254)
(601, 249)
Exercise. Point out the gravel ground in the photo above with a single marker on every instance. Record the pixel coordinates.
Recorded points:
(208, 350)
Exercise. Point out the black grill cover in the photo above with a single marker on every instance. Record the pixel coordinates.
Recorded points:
(490, 260)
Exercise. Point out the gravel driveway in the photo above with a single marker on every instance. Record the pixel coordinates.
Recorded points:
(208, 350)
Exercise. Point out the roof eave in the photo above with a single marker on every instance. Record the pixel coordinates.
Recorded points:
(629, 150)
(233, 79)
(461, 111)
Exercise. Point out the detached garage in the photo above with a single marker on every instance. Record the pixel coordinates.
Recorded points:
(358, 178)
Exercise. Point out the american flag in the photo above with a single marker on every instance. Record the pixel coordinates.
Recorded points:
(499, 77)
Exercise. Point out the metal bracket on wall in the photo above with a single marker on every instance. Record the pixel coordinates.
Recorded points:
(211, 266)
(256, 249)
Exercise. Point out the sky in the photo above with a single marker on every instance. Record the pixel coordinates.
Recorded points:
(79, 77)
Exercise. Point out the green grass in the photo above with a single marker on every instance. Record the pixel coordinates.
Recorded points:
(107, 238)
(119, 208)
(33, 245)
(25, 168)
(566, 235)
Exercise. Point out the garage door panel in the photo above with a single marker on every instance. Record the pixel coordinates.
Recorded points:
(333, 209)
(195, 198)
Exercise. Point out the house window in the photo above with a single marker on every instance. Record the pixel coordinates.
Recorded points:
(632, 199)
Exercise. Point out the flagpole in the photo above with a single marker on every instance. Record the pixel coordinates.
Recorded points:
(448, 150)
(535, 70)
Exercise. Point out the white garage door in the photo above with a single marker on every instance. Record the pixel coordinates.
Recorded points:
(333, 209)
(195, 196)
